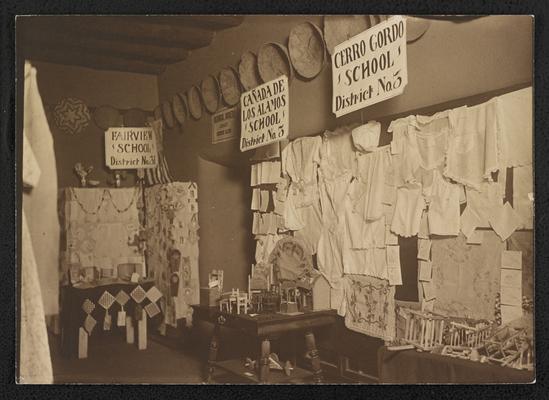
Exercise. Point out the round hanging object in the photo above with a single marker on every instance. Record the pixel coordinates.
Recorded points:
(135, 117)
(210, 93)
(106, 117)
(167, 114)
(157, 113)
(180, 108)
(307, 49)
(290, 259)
(339, 28)
(248, 71)
(195, 104)
(230, 87)
(71, 115)
(273, 61)
(415, 28)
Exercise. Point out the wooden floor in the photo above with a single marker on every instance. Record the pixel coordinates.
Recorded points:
(114, 361)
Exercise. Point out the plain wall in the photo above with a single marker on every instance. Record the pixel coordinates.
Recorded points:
(452, 61)
(96, 88)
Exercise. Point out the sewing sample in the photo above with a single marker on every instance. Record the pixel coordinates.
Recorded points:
(481, 202)
(472, 146)
(444, 213)
(504, 220)
(466, 278)
(366, 137)
(424, 271)
(424, 249)
(370, 306)
(172, 246)
(408, 210)
(511, 259)
(476, 237)
(515, 127)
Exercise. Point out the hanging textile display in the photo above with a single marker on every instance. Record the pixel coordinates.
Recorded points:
(39, 201)
(515, 127)
(172, 247)
(473, 152)
(370, 306)
(100, 229)
(160, 174)
(71, 115)
(466, 278)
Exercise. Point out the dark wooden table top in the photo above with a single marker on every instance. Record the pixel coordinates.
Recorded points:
(268, 323)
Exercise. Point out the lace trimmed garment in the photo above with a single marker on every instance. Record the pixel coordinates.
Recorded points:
(515, 127)
(444, 210)
(408, 210)
(473, 152)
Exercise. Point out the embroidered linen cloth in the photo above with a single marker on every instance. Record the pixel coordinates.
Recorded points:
(466, 278)
(370, 306)
(172, 224)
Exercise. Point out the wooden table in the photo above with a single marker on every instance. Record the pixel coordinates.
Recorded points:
(265, 327)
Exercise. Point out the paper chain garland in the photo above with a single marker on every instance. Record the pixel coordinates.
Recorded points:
(106, 193)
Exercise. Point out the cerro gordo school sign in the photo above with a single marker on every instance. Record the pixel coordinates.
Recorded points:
(264, 114)
(370, 67)
(130, 148)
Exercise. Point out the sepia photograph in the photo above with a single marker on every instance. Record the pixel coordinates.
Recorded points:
(275, 199)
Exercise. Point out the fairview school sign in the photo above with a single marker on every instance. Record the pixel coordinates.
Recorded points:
(130, 148)
(370, 67)
(264, 114)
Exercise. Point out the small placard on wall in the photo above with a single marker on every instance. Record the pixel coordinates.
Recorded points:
(225, 125)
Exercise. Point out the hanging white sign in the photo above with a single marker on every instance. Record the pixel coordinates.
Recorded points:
(264, 114)
(130, 148)
(370, 67)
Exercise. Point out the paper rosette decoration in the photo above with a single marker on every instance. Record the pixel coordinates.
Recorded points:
(71, 115)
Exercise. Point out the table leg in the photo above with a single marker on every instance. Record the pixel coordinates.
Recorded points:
(264, 360)
(212, 354)
(315, 359)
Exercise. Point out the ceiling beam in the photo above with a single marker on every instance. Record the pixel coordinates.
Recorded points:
(60, 55)
(212, 22)
(131, 30)
(37, 35)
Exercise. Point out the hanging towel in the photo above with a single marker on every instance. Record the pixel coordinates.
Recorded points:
(444, 211)
(408, 209)
(515, 127)
(473, 152)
